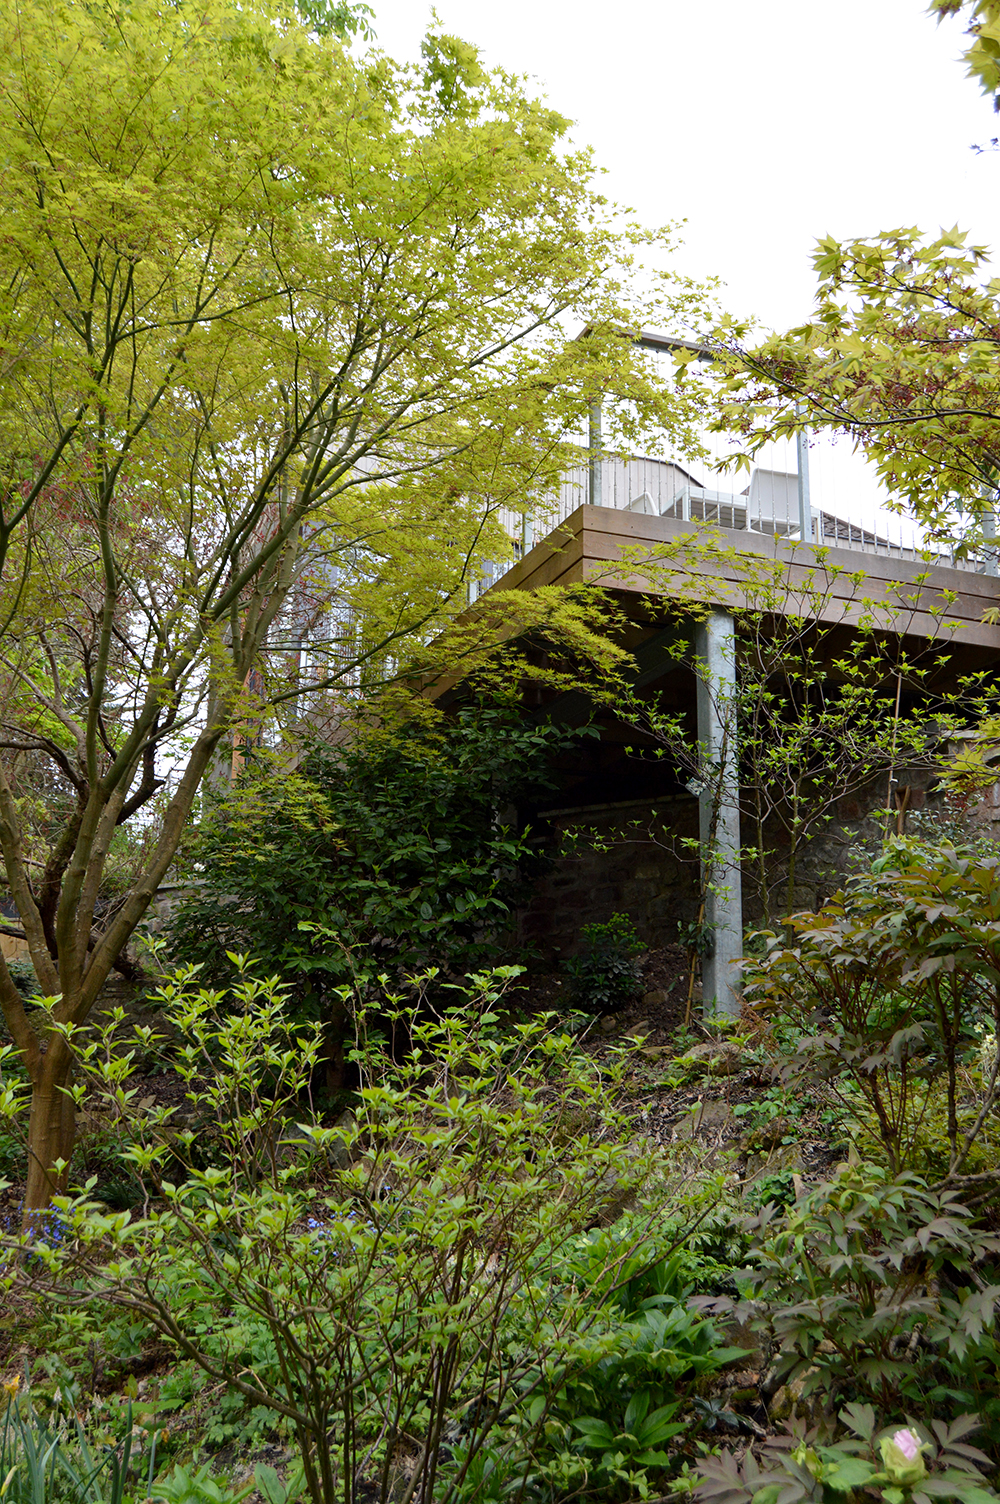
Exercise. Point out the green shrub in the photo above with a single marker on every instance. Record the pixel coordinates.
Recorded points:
(377, 1280)
(606, 976)
(22, 974)
(11, 1156)
(15, 1094)
(391, 853)
(778, 1188)
(881, 1290)
(891, 984)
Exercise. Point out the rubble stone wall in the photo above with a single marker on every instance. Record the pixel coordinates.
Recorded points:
(640, 859)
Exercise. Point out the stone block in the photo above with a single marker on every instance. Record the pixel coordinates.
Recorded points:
(707, 1117)
(723, 1059)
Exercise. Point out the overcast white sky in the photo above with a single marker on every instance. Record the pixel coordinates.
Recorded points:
(763, 125)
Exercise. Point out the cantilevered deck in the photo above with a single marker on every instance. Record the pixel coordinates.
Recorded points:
(928, 608)
(912, 597)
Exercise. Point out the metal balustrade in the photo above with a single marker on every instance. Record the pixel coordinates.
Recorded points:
(769, 504)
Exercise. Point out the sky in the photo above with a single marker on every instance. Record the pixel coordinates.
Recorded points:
(764, 126)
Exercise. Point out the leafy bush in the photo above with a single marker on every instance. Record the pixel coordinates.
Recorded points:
(22, 974)
(392, 853)
(907, 1465)
(880, 1290)
(389, 1274)
(778, 1188)
(606, 976)
(11, 1156)
(15, 1094)
(892, 983)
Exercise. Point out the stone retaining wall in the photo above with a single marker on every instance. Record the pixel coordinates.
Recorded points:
(637, 858)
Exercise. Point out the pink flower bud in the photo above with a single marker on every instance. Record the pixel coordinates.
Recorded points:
(902, 1457)
(908, 1443)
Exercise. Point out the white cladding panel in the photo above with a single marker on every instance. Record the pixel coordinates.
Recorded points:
(774, 494)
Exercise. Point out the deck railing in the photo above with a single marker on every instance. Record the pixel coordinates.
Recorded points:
(769, 504)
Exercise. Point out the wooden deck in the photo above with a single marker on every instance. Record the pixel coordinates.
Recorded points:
(927, 618)
(725, 568)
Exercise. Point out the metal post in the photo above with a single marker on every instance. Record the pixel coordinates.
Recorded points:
(719, 814)
(990, 542)
(989, 523)
(527, 533)
(805, 503)
(594, 495)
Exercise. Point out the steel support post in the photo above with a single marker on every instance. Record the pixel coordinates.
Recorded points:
(527, 533)
(805, 500)
(988, 520)
(990, 542)
(715, 649)
(594, 490)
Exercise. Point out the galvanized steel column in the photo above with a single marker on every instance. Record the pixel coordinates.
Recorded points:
(719, 813)
(594, 490)
(805, 500)
(990, 541)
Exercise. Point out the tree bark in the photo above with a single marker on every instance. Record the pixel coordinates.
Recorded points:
(51, 1128)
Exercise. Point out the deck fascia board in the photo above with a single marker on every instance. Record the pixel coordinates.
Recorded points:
(907, 597)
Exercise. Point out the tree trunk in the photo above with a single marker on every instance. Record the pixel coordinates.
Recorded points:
(82, 972)
(51, 1128)
(335, 1035)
